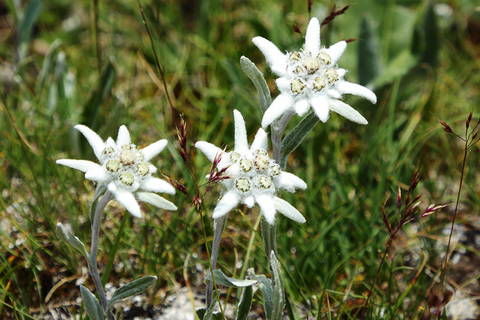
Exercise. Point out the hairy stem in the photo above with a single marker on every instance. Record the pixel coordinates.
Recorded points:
(92, 257)
(218, 226)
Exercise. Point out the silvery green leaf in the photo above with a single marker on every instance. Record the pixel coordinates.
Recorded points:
(367, 53)
(156, 200)
(278, 290)
(256, 76)
(92, 306)
(66, 235)
(244, 304)
(296, 136)
(132, 288)
(266, 287)
(222, 279)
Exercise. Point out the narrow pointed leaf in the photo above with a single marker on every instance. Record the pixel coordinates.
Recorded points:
(222, 279)
(256, 76)
(133, 288)
(296, 136)
(266, 287)
(244, 304)
(278, 290)
(64, 234)
(92, 306)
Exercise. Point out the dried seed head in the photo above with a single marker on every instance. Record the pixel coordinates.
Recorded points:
(446, 127)
(469, 118)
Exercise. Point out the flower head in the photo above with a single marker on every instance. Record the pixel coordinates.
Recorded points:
(252, 176)
(310, 77)
(125, 169)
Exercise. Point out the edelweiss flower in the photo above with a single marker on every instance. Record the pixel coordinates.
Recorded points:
(125, 169)
(252, 176)
(311, 77)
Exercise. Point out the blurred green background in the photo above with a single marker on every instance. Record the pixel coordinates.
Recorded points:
(92, 62)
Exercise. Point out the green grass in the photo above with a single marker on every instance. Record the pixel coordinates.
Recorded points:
(53, 77)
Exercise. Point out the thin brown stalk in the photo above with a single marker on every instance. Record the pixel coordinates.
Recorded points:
(455, 214)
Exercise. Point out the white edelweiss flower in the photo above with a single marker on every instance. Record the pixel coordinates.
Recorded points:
(125, 169)
(310, 77)
(252, 176)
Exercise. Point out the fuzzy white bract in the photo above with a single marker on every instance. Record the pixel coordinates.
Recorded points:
(252, 177)
(310, 77)
(125, 169)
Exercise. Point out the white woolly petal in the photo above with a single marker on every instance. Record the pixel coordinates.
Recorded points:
(209, 150)
(123, 136)
(312, 37)
(126, 199)
(157, 185)
(346, 111)
(225, 204)
(336, 50)
(241, 143)
(290, 182)
(82, 165)
(267, 207)
(249, 201)
(278, 107)
(156, 200)
(356, 89)
(260, 141)
(332, 93)
(154, 149)
(288, 210)
(275, 58)
(302, 106)
(341, 72)
(98, 174)
(93, 139)
(283, 84)
(320, 104)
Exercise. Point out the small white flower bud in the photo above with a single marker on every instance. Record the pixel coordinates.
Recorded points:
(234, 156)
(242, 184)
(128, 157)
(324, 58)
(332, 75)
(261, 162)
(319, 84)
(143, 168)
(275, 169)
(312, 64)
(264, 182)
(297, 86)
(127, 178)
(246, 165)
(113, 165)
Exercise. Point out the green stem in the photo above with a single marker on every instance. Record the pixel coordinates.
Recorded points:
(92, 257)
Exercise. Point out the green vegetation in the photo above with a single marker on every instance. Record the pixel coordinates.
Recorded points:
(93, 62)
